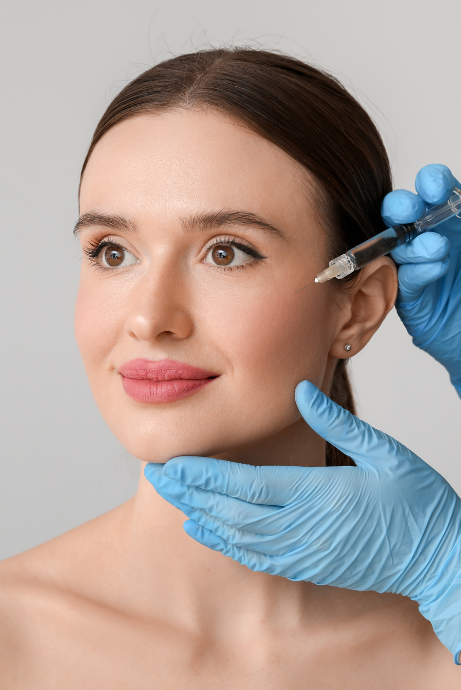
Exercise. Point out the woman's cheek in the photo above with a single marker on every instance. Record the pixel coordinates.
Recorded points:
(272, 335)
(96, 324)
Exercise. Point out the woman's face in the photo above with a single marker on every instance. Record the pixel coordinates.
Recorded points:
(207, 233)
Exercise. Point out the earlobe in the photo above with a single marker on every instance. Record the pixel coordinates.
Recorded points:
(369, 302)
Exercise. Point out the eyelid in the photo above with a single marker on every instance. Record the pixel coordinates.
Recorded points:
(237, 242)
(102, 236)
(102, 241)
(122, 242)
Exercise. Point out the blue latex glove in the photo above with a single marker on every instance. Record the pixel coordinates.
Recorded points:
(429, 299)
(391, 524)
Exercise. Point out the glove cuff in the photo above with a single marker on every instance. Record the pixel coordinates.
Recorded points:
(441, 603)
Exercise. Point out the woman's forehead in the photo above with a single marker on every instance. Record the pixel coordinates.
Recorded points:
(193, 159)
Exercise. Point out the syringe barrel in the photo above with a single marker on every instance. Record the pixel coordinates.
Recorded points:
(389, 239)
(382, 244)
(437, 214)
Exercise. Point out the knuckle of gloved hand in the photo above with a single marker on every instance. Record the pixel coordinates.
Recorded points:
(434, 246)
(401, 206)
(434, 182)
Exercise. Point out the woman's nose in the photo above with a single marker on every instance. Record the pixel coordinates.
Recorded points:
(159, 309)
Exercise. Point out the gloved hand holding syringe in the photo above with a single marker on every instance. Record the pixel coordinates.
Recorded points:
(389, 239)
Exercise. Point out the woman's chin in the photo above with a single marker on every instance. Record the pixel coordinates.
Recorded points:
(158, 452)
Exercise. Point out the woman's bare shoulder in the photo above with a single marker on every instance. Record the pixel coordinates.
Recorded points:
(45, 587)
(56, 562)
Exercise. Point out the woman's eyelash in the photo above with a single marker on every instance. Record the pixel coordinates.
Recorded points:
(95, 247)
(235, 243)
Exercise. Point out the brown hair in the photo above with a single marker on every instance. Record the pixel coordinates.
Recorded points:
(301, 109)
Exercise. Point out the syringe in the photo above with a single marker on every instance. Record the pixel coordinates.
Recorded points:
(389, 239)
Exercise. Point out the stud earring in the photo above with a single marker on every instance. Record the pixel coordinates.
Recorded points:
(347, 347)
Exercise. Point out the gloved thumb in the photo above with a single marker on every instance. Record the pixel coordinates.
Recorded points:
(363, 443)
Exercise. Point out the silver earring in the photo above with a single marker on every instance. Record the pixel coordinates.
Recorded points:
(347, 347)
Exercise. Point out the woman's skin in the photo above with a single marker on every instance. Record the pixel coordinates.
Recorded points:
(128, 600)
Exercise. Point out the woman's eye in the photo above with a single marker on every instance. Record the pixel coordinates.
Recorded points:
(113, 256)
(226, 255)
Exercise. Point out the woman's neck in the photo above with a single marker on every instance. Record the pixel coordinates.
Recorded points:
(184, 581)
(170, 575)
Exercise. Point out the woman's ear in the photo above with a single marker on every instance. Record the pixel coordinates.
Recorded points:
(366, 305)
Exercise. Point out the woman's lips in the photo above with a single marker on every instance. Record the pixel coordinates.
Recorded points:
(163, 381)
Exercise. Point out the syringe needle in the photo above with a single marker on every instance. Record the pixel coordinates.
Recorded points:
(303, 288)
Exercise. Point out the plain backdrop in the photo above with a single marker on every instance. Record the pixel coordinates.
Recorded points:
(62, 61)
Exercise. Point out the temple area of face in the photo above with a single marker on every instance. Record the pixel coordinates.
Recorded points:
(213, 220)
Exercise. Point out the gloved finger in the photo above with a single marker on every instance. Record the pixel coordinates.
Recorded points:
(425, 248)
(269, 544)
(357, 439)
(258, 562)
(401, 206)
(154, 476)
(413, 278)
(281, 541)
(323, 489)
(154, 467)
(434, 183)
(231, 510)
(269, 485)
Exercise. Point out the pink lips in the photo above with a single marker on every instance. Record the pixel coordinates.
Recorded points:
(163, 381)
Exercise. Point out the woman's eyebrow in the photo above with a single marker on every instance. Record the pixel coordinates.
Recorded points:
(198, 222)
(218, 219)
(113, 222)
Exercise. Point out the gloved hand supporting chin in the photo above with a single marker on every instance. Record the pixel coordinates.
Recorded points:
(391, 524)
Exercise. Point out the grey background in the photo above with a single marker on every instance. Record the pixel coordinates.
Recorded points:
(61, 63)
